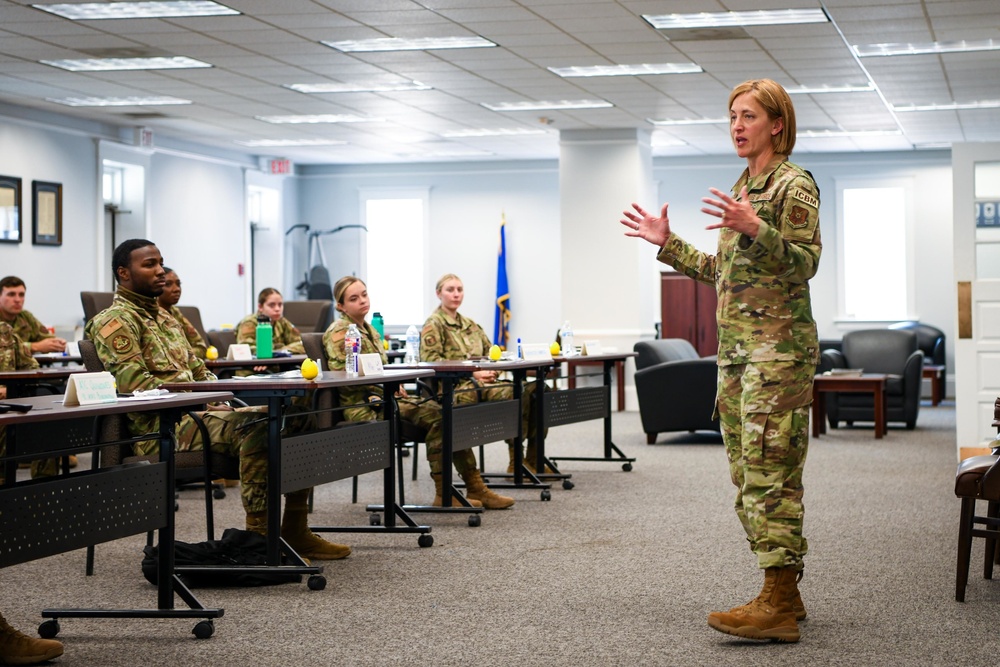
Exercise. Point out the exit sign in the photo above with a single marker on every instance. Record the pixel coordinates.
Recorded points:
(279, 166)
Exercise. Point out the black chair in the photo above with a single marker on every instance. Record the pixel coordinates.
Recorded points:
(930, 341)
(890, 351)
(95, 302)
(221, 340)
(676, 388)
(308, 316)
(193, 316)
(200, 467)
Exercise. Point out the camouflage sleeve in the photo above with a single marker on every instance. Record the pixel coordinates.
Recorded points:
(484, 340)
(119, 345)
(333, 343)
(29, 330)
(246, 332)
(288, 338)
(790, 248)
(198, 345)
(432, 341)
(12, 356)
(687, 259)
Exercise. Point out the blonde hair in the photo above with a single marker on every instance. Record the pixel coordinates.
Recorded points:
(341, 286)
(445, 278)
(776, 102)
(264, 293)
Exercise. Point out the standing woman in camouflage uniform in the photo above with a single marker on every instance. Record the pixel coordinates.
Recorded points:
(285, 336)
(769, 248)
(450, 336)
(351, 297)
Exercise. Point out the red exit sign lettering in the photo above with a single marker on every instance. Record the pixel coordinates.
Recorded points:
(282, 166)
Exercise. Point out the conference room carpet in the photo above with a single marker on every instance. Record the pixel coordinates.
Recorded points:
(620, 570)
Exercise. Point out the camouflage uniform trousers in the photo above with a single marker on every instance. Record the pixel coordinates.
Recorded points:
(502, 391)
(426, 415)
(764, 415)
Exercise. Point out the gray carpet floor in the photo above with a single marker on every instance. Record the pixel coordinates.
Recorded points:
(620, 570)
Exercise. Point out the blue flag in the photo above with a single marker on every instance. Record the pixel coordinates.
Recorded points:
(501, 320)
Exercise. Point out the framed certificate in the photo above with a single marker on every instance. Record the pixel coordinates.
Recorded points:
(10, 209)
(46, 213)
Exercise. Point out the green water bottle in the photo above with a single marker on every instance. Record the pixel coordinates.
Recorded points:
(378, 325)
(265, 338)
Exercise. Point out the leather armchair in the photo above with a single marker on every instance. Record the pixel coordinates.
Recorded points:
(930, 341)
(676, 388)
(890, 351)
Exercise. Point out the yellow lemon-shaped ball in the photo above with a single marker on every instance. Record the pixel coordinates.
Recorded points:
(385, 345)
(309, 369)
(495, 353)
(212, 352)
(554, 348)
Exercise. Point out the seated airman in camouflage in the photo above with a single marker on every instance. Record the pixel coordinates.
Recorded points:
(144, 347)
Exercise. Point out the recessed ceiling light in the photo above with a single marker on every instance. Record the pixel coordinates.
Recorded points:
(447, 152)
(114, 64)
(417, 44)
(117, 101)
(357, 87)
(627, 70)
(820, 90)
(836, 134)
(954, 106)
(916, 49)
(498, 132)
(542, 105)
(688, 121)
(93, 11)
(279, 143)
(664, 140)
(319, 118)
(735, 19)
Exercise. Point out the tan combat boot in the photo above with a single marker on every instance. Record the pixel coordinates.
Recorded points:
(770, 616)
(531, 455)
(295, 531)
(476, 489)
(455, 502)
(797, 605)
(257, 523)
(17, 648)
(512, 452)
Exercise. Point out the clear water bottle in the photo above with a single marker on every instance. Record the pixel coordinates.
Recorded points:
(352, 348)
(566, 340)
(378, 324)
(412, 345)
(264, 342)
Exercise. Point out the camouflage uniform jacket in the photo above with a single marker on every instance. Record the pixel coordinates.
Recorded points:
(284, 335)
(142, 346)
(336, 354)
(28, 329)
(193, 337)
(447, 338)
(12, 356)
(764, 311)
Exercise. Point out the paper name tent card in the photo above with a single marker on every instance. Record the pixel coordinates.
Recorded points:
(536, 352)
(240, 352)
(370, 364)
(90, 389)
(591, 347)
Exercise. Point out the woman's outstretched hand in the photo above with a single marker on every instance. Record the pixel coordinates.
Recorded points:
(735, 214)
(647, 226)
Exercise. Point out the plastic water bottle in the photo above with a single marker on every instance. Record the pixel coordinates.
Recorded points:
(378, 324)
(265, 338)
(566, 340)
(352, 348)
(412, 345)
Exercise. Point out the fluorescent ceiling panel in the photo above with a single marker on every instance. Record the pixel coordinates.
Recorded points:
(820, 90)
(627, 70)
(484, 132)
(954, 106)
(832, 134)
(117, 101)
(315, 88)
(417, 44)
(688, 121)
(318, 118)
(924, 48)
(280, 143)
(115, 64)
(542, 105)
(735, 19)
(93, 11)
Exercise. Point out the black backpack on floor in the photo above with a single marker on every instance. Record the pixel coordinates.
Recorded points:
(237, 547)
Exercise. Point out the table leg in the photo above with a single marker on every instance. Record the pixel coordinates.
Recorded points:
(620, 365)
(881, 427)
(819, 412)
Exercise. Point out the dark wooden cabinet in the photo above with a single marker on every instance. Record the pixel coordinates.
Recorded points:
(687, 310)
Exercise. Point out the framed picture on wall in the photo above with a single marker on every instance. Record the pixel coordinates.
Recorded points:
(10, 209)
(46, 213)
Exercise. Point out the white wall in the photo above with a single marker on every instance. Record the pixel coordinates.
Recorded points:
(466, 204)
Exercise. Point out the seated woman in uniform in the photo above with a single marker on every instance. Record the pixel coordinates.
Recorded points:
(168, 301)
(284, 334)
(351, 297)
(449, 336)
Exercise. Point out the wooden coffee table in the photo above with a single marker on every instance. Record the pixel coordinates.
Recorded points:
(867, 383)
(935, 374)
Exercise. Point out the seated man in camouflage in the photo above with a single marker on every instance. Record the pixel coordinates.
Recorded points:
(14, 358)
(144, 347)
(34, 335)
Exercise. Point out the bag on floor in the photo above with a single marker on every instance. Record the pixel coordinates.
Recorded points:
(237, 547)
